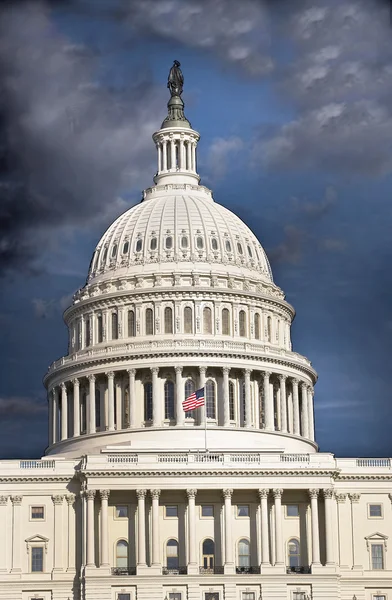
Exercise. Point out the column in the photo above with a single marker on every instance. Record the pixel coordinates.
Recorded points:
(179, 397)
(70, 498)
(268, 402)
(58, 533)
(194, 157)
(189, 156)
(265, 553)
(226, 397)
(202, 383)
(110, 377)
(55, 416)
(354, 500)
(156, 416)
(315, 526)
(141, 527)
(345, 541)
(3, 526)
(16, 533)
(76, 407)
(159, 157)
(296, 425)
(181, 155)
(50, 418)
(304, 410)
(229, 563)
(164, 155)
(104, 528)
(192, 562)
(278, 527)
(311, 412)
(82, 341)
(90, 495)
(91, 405)
(283, 403)
(328, 495)
(248, 404)
(172, 155)
(118, 404)
(155, 554)
(64, 412)
(131, 398)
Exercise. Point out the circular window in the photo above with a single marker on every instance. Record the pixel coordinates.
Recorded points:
(228, 246)
(250, 252)
(184, 242)
(153, 243)
(214, 244)
(125, 248)
(114, 250)
(239, 248)
(139, 245)
(200, 243)
(169, 243)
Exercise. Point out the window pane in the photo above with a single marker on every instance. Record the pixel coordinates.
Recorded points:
(231, 401)
(174, 595)
(153, 243)
(169, 400)
(188, 324)
(377, 556)
(200, 243)
(239, 248)
(169, 243)
(114, 326)
(184, 242)
(257, 326)
(210, 399)
(131, 323)
(37, 512)
(248, 596)
(37, 560)
(171, 511)
(292, 510)
(225, 321)
(122, 554)
(214, 244)
(148, 401)
(207, 511)
(375, 510)
(228, 246)
(139, 245)
(149, 322)
(294, 556)
(172, 548)
(168, 320)
(121, 511)
(207, 320)
(125, 248)
(208, 547)
(250, 251)
(242, 510)
(123, 596)
(242, 319)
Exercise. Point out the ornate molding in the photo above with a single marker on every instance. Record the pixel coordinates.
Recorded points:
(313, 493)
(263, 493)
(90, 494)
(340, 498)
(191, 493)
(354, 498)
(91, 378)
(3, 500)
(328, 493)
(104, 494)
(70, 499)
(277, 492)
(58, 499)
(227, 493)
(16, 500)
(155, 494)
(141, 494)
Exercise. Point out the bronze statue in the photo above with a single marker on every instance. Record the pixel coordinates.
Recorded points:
(175, 80)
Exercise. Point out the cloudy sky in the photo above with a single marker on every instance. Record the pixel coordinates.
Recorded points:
(293, 102)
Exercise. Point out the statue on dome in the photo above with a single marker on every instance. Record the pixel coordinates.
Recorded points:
(175, 80)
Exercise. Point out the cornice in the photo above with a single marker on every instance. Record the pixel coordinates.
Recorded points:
(210, 473)
(38, 478)
(365, 477)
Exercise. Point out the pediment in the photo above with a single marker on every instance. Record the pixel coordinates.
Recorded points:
(37, 538)
(376, 536)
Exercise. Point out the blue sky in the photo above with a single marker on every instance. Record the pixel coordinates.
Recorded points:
(292, 103)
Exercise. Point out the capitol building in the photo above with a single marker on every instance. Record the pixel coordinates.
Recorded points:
(135, 499)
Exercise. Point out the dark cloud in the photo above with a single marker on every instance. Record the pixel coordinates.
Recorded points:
(317, 209)
(19, 406)
(291, 248)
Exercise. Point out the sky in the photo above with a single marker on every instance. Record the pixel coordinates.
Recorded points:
(292, 101)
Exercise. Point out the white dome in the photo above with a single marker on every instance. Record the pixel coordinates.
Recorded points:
(178, 224)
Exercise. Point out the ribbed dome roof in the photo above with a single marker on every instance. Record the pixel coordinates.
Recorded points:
(178, 224)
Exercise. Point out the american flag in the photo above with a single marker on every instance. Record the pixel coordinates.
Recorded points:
(194, 400)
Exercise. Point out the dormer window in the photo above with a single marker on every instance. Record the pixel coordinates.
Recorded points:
(199, 243)
(125, 248)
(228, 246)
(184, 242)
(114, 251)
(139, 245)
(169, 242)
(153, 243)
(214, 244)
(239, 248)
(250, 252)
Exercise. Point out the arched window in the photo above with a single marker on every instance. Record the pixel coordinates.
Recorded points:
(189, 389)
(97, 408)
(99, 329)
(208, 554)
(114, 251)
(269, 329)
(225, 321)
(83, 414)
(148, 401)
(188, 321)
(257, 326)
(149, 322)
(239, 248)
(250, 252)
(114, 326)
(228, 246)
(242, 320)
(87, 332)
(168, 320)
(243, 403)
(125, 248)
(294, 556)
(122, 554)
(199, 243)
(169, 242)
(210, 399)
(172, 560)
(139, 245)
(184, 242)
(153, 243)
(231, 401)
(131, 323)
(169, 400)
(207, 320)
(244, 553)
(214, 244)
(104, 257)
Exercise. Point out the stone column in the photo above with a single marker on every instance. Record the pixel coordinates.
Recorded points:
(76, 407)
(296, 423)
(82, 343)
(55, 416)
(58, 533)
(181, 155)
(202, 383)
(110, 376)
(278, 527)
(156, 412)
(141, 527)
(354, 499)
(283, 403)
(189, 156)
(226, 397)
(304, 410)
(104, 528)
(3, 525)
(118, 387)
(159, 157)
(194, 156)
(248, 404)
(50, 418)
(91, 404)
(70, 498)
(229, 562)
(179, 397)
(311, 412)
(164, 155)
(155, 554)
(192, 561)
(131, 398)
(268, 402)
(172, 155)
(328, 496)
(315, 526)
(16, 533)
(64, 412)
(265, 553)
(90, 495)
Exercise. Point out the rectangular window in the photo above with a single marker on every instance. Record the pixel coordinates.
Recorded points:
(37, 559)
(207, 510)
(121, 511)
(37, 513)
(123, 596)
(211, 596)
(171, 511)
(292, 510)
(378, 597)
(243, 510)
(174, 595)
(299, 596)
(377, 557)
(375, 511)
(248, 596)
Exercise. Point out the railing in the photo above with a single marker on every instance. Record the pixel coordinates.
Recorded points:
(299, 570)
(172, 458)
(295, 458)
(245, 458)
(178, 571)
(122, 458)
(124, 571)
(373, 462)
(209, 458)
(37, 464)
(247, 570)
(211, 570)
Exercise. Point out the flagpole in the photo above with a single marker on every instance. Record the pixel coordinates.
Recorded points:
(205, 426)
